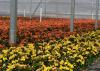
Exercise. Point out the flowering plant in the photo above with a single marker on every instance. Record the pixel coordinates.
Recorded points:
(69, 54)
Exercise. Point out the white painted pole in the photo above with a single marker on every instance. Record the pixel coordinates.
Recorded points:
(92, 10)
(31, 9)
(72, 15)
(13, 22)
(92, 16)
(24, 13)
(97, 14)
(40, 14)
(45, 8)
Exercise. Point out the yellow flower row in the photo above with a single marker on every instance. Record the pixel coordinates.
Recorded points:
(66, 54)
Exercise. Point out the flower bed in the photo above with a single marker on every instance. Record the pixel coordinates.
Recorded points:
(68, 54)
(49, 29)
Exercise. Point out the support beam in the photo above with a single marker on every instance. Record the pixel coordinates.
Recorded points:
(72, 15)
(24, 13)
(97, 14)
(40, 14)
(31, 9)
(13, 22)
(41, 10)
(92, 15)
(45, 7)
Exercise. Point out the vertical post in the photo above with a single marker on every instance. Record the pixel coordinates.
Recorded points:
(92, 9)
(24, 13)
(45, 8)
(13, 22)
(57, 9)
(97, 14)
(92, 16)
(72, 15)
(40, 14)
(31, 9)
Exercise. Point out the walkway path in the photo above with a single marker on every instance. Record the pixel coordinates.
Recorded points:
(95, 66)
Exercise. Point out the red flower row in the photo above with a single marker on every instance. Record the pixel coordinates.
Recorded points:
(31, 30)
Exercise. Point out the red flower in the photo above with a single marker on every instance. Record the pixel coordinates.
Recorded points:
(1, 46)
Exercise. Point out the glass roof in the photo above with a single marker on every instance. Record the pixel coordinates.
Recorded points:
(53, 8)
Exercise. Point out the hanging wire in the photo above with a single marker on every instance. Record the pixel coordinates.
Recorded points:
(37, 7)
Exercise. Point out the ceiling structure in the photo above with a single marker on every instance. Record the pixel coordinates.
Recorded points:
(55, 8)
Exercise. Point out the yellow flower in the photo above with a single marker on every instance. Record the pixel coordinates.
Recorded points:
(62, 62)
(76, 47)
(20, 65)
(8, 70)
(61, 67)
(70, 65)
(69, 52)
(0, 61)
(20, 52)
(75, 55)
(69, 49)
(83, 49)
(95, 50)
(13, 62)
(23, 58)
(1, 56)
(86, 52)
(11, 57)
(4, 51)
(10, 67)
(94, 53)
(4, 59)
(81, 61)
(30, 45)
(80, 56)
(49, 68)
(89, 48)
(71, 70)
(11, 52)
(66, 68)
(44, 68)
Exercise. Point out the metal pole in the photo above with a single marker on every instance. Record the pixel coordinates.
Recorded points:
(31, 9)
(97, 14)
(56, 9)
(45, 8)
(41, 10)
(24, 13)
(72, 15)
(92, 10)
(40, 14)
(13, 21)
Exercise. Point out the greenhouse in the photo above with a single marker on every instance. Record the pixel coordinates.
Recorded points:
(49, 35)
